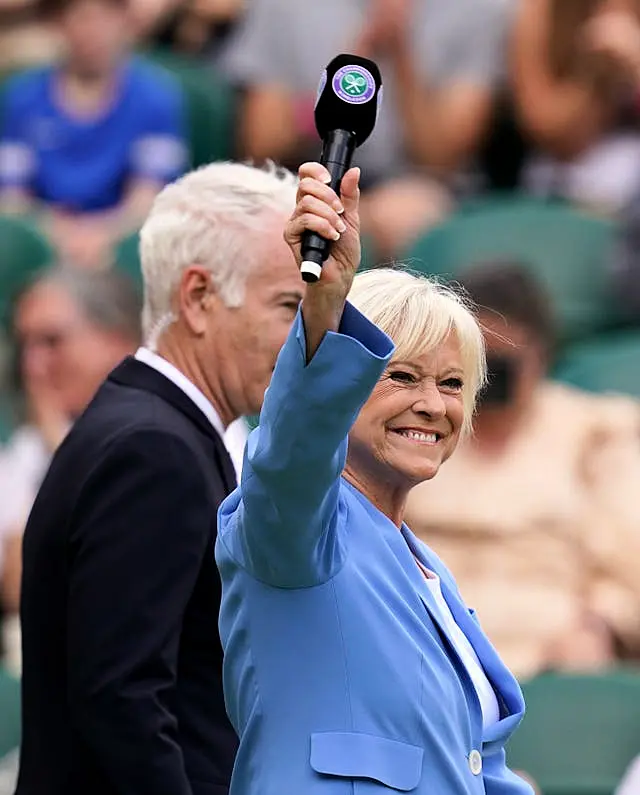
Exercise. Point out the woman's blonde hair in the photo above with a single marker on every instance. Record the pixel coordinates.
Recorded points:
(418, 314)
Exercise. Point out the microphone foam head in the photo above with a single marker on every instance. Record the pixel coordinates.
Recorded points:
(349, 97)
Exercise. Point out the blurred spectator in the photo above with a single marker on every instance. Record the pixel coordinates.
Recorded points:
(92, 139)
(576, 87)
(546, 542)
(71, 328)
(440, 61)
(24, 40)
(188, 27)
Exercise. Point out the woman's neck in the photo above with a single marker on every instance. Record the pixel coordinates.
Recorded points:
(388, 500)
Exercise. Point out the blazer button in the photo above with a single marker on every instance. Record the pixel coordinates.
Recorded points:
(475, 762)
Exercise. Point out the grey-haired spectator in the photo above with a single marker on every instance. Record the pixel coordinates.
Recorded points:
(71, 328)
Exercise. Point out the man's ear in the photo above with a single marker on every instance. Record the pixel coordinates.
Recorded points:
(197, 296)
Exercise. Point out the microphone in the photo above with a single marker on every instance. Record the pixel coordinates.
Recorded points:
(347, 106)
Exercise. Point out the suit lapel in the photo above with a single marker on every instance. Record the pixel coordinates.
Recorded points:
(136, 374)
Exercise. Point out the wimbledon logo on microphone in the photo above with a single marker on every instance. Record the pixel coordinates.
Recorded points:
(354, 84)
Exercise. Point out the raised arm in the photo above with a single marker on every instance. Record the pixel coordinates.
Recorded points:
(282, 523)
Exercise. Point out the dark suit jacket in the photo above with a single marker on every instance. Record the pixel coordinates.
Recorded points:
(122, 690)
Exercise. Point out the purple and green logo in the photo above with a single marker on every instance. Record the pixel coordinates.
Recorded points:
(354, 84)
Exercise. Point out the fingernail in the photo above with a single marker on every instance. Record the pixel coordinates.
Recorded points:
(326, 178)
(336, 235)
(358, 172)
(337, 206)
(341, 226)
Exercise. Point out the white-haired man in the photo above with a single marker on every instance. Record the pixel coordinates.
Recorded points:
(122, 690)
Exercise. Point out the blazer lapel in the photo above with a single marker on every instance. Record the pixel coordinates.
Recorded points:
(507, 690)
(139, 375)
(406, 552)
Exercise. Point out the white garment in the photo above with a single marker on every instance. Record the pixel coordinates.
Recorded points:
(23, 464)
(9, 772)
(630, 784)
(486, 693)
(234, 436)
(605, 176)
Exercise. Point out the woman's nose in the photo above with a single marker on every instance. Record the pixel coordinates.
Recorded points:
(430, 402)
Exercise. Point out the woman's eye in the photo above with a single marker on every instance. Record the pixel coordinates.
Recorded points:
(453, 383)
(402, 377)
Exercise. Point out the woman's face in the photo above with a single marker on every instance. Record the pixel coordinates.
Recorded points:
(411, 423)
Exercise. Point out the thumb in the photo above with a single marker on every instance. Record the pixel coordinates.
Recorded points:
(350, 191)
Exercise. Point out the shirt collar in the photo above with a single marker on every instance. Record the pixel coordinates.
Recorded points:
(182, 382)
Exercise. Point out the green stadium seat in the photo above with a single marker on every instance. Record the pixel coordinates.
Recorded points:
(8, 417)
(23, 252)
(9, 713)
(606, 363)
(579, 733)
(565, 248)
(127, 258)
(211, 107)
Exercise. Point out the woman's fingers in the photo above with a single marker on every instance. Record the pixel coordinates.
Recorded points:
(315, 171)
(311, 223)
(313, 187)
(310, 205)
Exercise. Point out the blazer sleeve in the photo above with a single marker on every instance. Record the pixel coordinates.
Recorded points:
(281, 525)
(141, 529)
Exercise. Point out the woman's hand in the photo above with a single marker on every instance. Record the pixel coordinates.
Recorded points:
(320, 210)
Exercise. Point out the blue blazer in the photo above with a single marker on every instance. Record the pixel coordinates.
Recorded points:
(339, 676)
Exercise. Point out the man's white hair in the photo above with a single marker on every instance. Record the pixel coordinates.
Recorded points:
(203, 219)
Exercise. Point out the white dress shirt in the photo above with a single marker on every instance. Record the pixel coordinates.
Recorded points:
(234, 436)
(484, 689)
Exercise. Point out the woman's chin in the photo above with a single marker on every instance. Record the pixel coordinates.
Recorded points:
(421, 471)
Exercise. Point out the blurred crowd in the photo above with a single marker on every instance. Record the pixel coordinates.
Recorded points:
(102, 102)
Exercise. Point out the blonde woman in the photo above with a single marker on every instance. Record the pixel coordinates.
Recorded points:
(351, 663)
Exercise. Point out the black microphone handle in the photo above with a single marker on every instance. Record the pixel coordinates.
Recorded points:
(337, 153)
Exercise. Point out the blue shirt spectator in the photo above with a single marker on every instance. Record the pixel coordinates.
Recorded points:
(82, 163)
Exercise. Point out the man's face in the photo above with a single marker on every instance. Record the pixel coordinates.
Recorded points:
(95, 34)
(247, 339)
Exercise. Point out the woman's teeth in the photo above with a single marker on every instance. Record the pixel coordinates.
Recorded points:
(429, 438)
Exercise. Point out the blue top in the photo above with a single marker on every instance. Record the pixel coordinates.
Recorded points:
(340, 676)
(85, 164)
